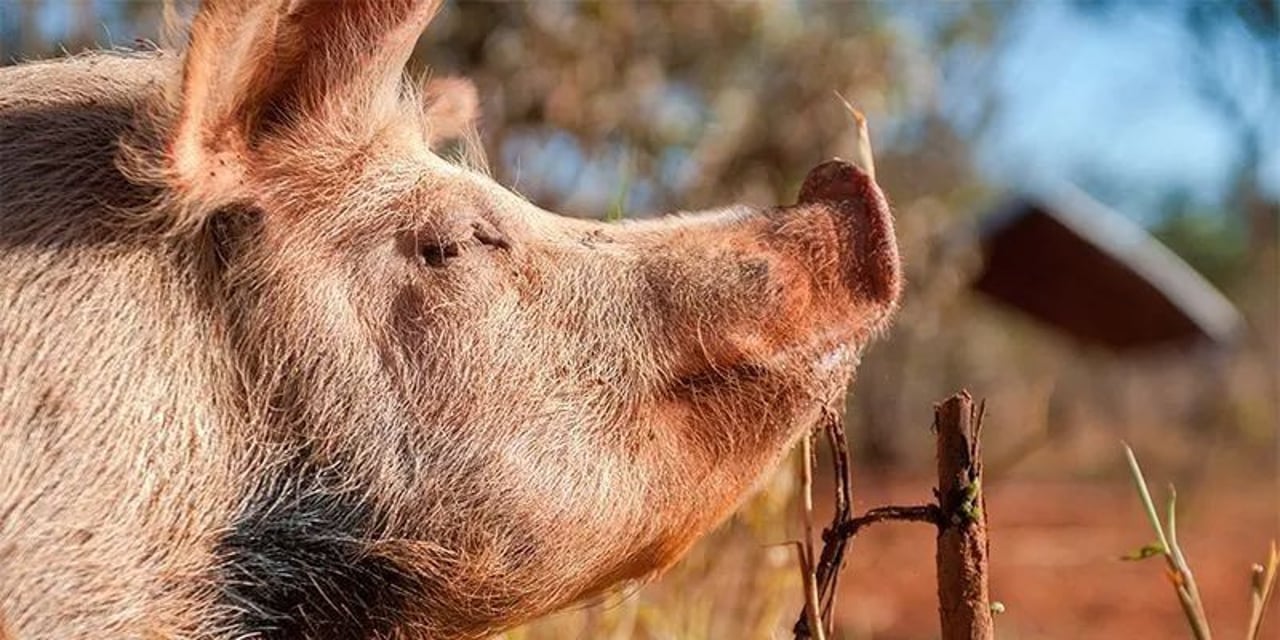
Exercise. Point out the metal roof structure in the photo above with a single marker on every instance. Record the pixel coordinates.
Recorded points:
(1083, 268)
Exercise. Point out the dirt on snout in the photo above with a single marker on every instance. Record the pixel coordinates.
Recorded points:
(1055, 549)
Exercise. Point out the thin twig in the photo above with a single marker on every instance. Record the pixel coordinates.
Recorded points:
(812, 606)
(829, 573)
(806, 494)
(918, 513)
(836, 537)
(810, 591)
(826, 573)
(1263, 585)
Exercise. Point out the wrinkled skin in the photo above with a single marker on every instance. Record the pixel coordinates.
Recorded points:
(270, 366)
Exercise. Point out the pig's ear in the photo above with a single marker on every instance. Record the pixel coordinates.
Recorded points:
(254, 69)
(452, 108)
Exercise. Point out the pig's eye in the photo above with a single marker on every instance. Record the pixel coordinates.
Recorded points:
(437, 254)
(438, 251)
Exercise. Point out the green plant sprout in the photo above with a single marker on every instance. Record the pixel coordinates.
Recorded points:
(1179, 571)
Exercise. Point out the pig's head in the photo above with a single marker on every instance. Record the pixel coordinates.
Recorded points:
(510, 410)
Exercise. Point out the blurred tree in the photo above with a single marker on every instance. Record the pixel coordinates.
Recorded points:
(689, 103)
(1238, 74)
(1207, 238)
(1235, 70)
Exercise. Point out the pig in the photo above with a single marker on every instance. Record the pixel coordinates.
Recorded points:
(270, 367)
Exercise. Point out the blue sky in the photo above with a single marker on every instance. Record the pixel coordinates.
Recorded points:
(1114, 97)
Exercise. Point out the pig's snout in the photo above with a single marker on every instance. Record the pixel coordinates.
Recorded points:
(866, 261)
(831, 266)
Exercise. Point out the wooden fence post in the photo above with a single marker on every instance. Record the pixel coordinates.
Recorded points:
(960, 516)
(964, 604)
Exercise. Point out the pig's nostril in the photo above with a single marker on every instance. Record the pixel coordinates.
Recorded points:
(836, 181)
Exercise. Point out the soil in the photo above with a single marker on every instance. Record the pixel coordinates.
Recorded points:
(1055, 549)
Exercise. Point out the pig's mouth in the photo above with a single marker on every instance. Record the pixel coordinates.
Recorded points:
(824, 371)
(833, 371)
(839, 359)
(827, 370)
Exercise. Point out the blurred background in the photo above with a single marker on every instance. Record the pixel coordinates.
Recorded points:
(1087, 203)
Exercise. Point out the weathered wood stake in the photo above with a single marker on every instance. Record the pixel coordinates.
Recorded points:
(960, 517)
(964, 603)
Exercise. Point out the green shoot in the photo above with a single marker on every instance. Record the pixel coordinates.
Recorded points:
(1179, 571)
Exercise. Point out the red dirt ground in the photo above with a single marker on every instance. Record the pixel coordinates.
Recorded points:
(1055, 549)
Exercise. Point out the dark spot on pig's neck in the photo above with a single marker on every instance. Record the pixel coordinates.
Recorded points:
(228, 228)
(296, 563)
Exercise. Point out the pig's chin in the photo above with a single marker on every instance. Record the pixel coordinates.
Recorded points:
(818, 376)
(838, 361)
(829, 365)
(831, 369)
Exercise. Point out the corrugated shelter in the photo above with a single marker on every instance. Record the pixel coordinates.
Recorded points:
(1073, 263)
